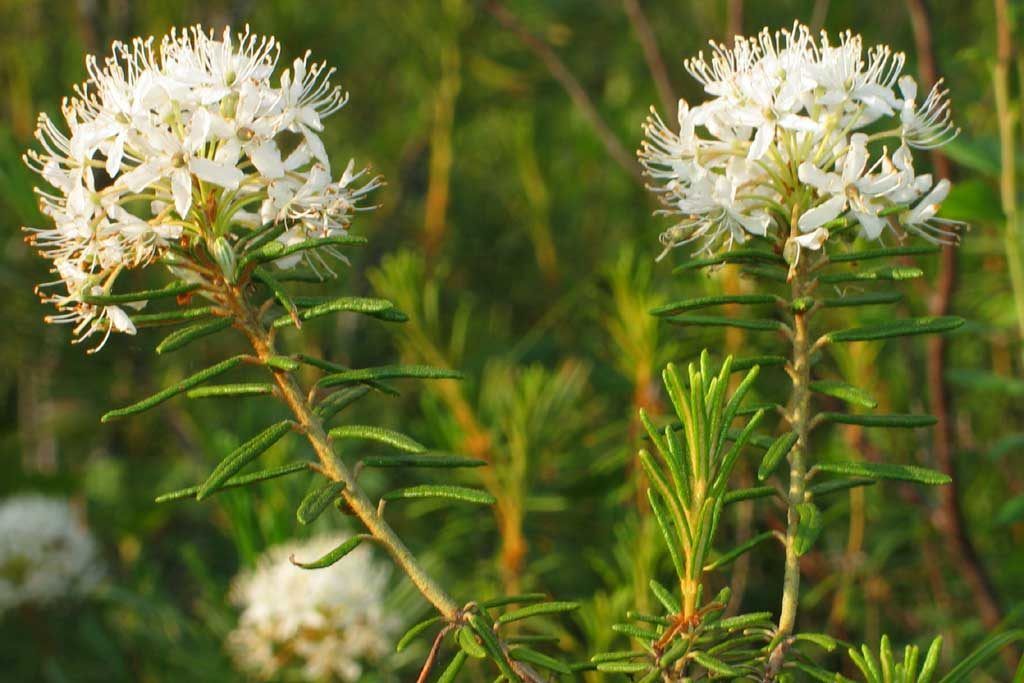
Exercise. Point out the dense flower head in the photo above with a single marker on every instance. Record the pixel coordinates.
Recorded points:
(180, 146)
(325, 623)
(46, 553)
(797, 127)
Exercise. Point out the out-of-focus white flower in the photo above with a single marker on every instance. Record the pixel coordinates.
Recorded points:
(326, 622)
(796, 126)
(46, 554)
(171, 147)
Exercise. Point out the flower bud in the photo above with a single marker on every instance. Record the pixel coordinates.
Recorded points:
(224, 255)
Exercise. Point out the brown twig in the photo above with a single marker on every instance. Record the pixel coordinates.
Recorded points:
(649, 44)
(950, 522)
(571, 86)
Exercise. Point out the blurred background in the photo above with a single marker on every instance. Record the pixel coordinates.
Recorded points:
(516, 232)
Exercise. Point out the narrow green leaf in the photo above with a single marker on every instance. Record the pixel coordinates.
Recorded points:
(317, 500)
(623, 667)
(757, 324)
(665, 597)
(733, 256)
(539, 609)
(981, 654)
(708, 301)
(730, 557)
(893, 273)
(328, 366)
(770, 273)
(878, 470)
(819, 674)
(895, 421)
(801, 304)
(1011, 511)
(282, 363)
(331, 557)
(931, 661)
(741, 621)
(666, 526)
(825, 488)
(453, 668)
(173, 289)
(525, 654)
(339, 400)
(741, 364)
(617, 656)
(844, 392)
(235, 482)
(714, 665)
(173, 317)
(275, 250)
(483, 629)
(280, 293)
(808, 527)
(635, 632)
(447, 461)
(380, 434)
(779, 449)
(172, 391)
(346, 304)
(468, 643)
(388, 372)
(869, 299)
(822, 640)
(747, 494)
(522, 598)
(222, 390)
(460, 493)
(886, 252)
(242, 456)
(414, 632)
(896, 328)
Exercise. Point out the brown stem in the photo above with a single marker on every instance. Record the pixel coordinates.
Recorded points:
(331, 465)
(570, 84)
(649, 45)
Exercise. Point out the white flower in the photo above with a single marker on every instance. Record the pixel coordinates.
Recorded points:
(328, 623)
(46, 553)
(170, 147)
(790, 129)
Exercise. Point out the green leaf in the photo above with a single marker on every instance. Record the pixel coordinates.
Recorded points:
(469, 644)
(172, 391)
(665, 597)
(779, 449)
(490, 642)
(878, 470)
(733, 256)
(339, 400)
(460, 493)
(892, 273)
(281, 363)
(414, 632)
(275, 250)
(732, 555)
(741, 621)
(235, 482)
(757, 324)
(707, 301)
(897, 328)
(770, 273)
(741, 364)
(895, 421)
(747, 494)
(331, 557)
(617, 656)
(822, 640)
(173, 289)
(539, 609)
(453, 668)
(337, 367)
(317, 500)
(808, 527)
(819, 674)
(931, 661)
(623, 667)
(714, 665)
(635, 632)
(422, 461)
(222, 390)
(280, 293)
(242, 456)
(388, 372)
(513, 599)
(380, 434)
(887, 252)
(981, 654)
(845, 392)
(170, 317)
(988, 382)
(869, 299)
(1011, 511)
(525, 654)
(825, 488)
(376, 308)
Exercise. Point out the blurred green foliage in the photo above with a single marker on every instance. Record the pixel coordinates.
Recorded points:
(524, 254)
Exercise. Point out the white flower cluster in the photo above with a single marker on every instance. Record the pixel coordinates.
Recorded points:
(181, 145)
(796, 126)
(329, 622)
(45, 552)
